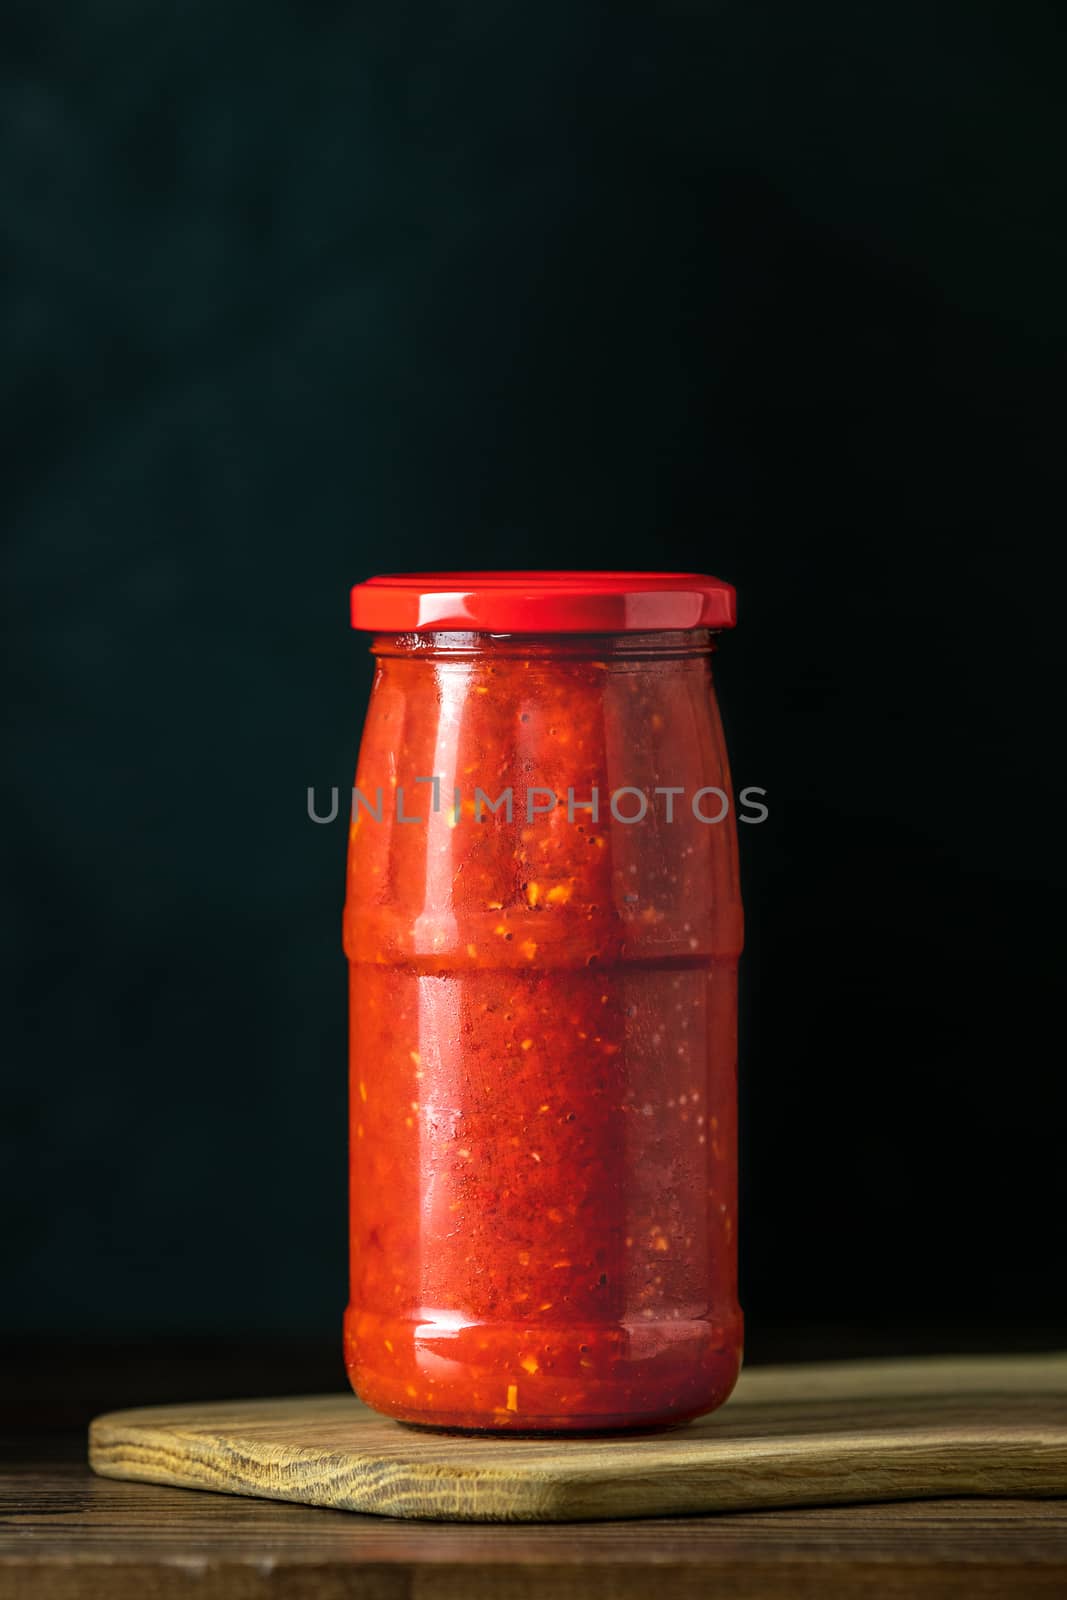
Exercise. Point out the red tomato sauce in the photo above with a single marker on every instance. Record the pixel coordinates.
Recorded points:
(543, 1036)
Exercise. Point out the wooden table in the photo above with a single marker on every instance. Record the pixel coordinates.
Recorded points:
(68, 1535)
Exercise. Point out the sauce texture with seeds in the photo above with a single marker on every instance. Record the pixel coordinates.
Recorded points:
(543, 1036)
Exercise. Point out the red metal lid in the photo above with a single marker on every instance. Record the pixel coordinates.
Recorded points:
(542, 602)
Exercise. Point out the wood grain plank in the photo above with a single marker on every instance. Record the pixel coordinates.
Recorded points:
(809, 1435)
(66, 1535)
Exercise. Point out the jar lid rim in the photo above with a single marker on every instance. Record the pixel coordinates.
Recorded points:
(542, 602)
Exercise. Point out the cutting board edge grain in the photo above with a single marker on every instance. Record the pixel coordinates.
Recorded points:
(267, 1449)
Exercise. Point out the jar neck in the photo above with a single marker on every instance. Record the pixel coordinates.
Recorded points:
(674, 644)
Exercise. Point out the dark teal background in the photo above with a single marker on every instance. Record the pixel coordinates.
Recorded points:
(295, 293)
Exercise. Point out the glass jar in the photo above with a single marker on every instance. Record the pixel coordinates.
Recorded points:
(543, 923)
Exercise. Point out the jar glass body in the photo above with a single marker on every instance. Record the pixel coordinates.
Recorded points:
(543, 924)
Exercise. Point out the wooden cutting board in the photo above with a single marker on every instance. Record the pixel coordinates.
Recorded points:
(802, 1435)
